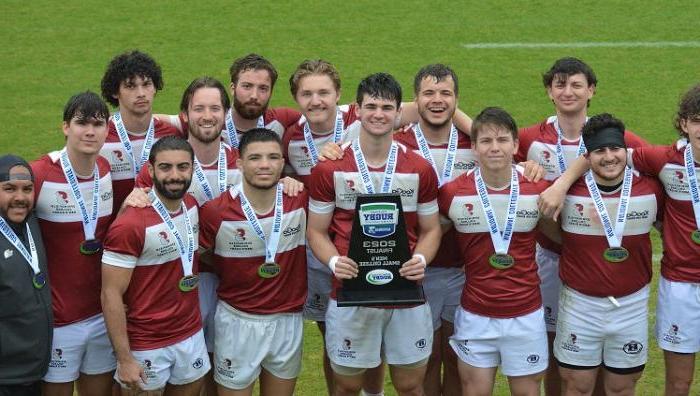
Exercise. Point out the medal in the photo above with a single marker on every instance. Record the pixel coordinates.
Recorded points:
(90, 246)
(188, 283)
(501, 240)
(693, 189)
(501, 261)
(185, 247)
(268, 270)
(39, 280)
(31, 257)
(616, 254)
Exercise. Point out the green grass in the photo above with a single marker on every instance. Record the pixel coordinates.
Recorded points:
(51, 50)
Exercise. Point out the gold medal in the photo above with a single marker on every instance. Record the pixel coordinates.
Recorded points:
(188, 283)
(268, 270)
(501, 261)
(616, 254)
(695, 236)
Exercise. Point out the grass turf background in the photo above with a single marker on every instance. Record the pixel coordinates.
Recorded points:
(51, 50)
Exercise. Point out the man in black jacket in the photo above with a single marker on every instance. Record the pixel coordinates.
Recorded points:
(26, 319)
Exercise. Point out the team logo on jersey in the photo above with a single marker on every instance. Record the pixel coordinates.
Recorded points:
(346, 351)
(579, 208)
(198, 364)
(57, 360)
(545, 156)
(379, 277)
(240, 235)
(680, 175)
(164, 238)
(468, 209)
(305, 150)
(117, 156)
(61, 197)
(379, 220)
(533, 359)
(570, 343)
(420, 344)
(224, 368)
(350, 186)
(633, 348)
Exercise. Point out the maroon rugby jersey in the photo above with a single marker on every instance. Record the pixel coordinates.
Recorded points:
(491, 292)
(681, 258)
(238, 252)
(447, 255)
(76, 278)
(158, 313)
(123, 174)
(582, 266)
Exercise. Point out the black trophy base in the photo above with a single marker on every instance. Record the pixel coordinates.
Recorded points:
(365, 298)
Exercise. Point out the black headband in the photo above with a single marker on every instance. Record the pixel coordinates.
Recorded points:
(606, 137)
(9, 161)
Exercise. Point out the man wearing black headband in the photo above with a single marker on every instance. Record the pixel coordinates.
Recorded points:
(26, 320)
(605, 266)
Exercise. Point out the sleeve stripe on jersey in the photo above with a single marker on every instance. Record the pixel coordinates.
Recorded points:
(427, 208)
(119, 260)
(321, 207)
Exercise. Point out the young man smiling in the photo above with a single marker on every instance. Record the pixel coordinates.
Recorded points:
(404, 334)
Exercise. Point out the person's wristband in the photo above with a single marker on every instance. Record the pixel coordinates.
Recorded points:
(332, 262)
(422, 259)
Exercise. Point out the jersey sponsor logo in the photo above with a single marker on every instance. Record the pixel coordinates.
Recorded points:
(223, 367)
(570, 343)
(533, 359)
(404, 193)
(464, 166)
(198, 364)
(379, 277)
(528, 213)
(379, 220)
(106, 196)
(638, 215)
(289, 231)
(633, 347)
(463, 346)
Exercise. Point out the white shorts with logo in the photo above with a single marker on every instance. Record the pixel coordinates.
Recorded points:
(593, 330)
(550, 284)
(208, 282)
(319, 280)
(81, 347)
(443, 291)
(678, 316)
(178, 364)
(518, 345)
(360, 336)
(245, 343)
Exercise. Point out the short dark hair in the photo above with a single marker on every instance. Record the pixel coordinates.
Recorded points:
(252, 62)
(688, 108)
(125, 67)
(257, 135)
(85, 105)
(380, 86)
(167, 143)
(494, 116)
(204, 82)
(602, 121)
(313, 67)
(439, 72)
(566, 67)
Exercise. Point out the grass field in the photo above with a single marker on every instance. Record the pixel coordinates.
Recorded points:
(51, 50)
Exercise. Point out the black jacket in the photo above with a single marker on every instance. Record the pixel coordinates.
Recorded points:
(26, 318)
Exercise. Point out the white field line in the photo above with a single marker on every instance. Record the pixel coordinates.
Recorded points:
(592, 44)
